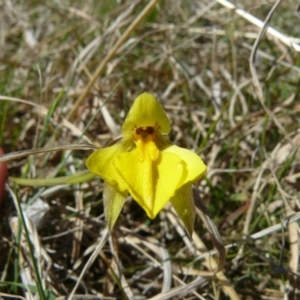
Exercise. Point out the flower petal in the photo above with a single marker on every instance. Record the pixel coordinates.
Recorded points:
(183, 203)
(146, 112)
(113, 202)
(194, 167)
(100, 163)
(150, 182)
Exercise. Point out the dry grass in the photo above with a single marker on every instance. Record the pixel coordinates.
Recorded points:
(242, 118)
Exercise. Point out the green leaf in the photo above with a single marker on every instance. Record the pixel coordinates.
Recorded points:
(79, 177)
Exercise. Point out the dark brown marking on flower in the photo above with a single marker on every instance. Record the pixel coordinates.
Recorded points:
(144, 131)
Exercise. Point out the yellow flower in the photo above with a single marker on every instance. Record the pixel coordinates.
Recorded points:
(145, 164)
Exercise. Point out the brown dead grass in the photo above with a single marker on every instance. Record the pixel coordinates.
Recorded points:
(194, 56)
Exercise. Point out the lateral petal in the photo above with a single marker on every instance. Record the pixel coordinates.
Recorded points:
(183, 203)
(113, 202)
(194, 167)
(100, 162)
(150, 182)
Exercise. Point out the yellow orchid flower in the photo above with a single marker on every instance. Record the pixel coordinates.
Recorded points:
(145, 164)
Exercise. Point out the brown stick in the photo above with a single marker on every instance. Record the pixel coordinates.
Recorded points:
(110, 55)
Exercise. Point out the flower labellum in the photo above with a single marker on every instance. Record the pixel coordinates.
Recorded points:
(145, 164)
